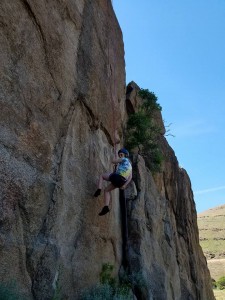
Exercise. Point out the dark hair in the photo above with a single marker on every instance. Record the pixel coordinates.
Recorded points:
(124, 151)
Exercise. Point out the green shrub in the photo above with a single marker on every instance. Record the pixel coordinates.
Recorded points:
(150, 101)
(106, 275)
(143, 133)
(109, 288)
(221, 283)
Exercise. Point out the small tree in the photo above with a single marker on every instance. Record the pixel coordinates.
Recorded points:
(106, 275)
(142, 132)
(109, 288)
(150, 101)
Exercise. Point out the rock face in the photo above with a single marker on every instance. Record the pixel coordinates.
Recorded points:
(62, 107)
(61, 61)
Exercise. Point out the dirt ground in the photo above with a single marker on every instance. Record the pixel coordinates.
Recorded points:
(216, 268)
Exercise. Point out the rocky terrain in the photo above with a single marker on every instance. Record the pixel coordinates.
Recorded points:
(63, 105)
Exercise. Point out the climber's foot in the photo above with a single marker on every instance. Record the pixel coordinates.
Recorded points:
(97, 193)
(104, 211)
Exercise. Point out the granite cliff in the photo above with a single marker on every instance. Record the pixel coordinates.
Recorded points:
(62, 106)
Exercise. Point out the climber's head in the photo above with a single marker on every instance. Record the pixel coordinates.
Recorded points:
(123, 151)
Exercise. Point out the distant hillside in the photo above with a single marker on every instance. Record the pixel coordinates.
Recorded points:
(211, 224)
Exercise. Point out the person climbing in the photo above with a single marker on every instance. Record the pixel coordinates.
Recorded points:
(119, 178)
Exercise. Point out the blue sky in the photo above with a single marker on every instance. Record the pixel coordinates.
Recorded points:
(176, 49)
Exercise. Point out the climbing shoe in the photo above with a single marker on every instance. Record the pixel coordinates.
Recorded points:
(97, 193)
(104, 211)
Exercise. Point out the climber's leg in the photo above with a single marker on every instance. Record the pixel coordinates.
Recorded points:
(107, 198)
(107, 194)
(102, 177)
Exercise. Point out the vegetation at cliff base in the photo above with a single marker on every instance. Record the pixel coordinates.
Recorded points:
(143, 133)
(110, 288)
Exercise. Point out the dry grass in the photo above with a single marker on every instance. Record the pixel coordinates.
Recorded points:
(212, 240)
(212, 232)
(216, 268)
(219, 294)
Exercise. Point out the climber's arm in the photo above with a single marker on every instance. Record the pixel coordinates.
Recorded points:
(117, 160)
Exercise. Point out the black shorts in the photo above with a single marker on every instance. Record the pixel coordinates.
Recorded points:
(117, 180)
